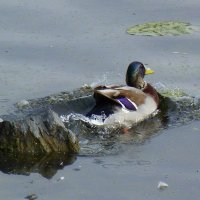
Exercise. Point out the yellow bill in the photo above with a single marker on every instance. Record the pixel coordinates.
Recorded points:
(148, 71)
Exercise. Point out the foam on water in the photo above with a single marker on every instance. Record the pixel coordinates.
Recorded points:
(95, 119)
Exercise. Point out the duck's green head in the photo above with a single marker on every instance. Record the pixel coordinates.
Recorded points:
(135, 74)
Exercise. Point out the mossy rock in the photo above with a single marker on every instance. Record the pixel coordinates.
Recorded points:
(171, 28)
(37, 134)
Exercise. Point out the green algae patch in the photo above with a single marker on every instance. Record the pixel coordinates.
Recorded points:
(175, 93)
(171, 28)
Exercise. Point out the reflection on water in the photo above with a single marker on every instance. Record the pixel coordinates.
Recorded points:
(176, 108)
(46, 165)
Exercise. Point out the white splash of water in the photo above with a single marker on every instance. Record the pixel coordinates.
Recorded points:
(107, 79)
(95, 119)
(160, 86)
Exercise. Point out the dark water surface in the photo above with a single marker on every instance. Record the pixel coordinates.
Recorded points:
(133, 173)
(47, 47)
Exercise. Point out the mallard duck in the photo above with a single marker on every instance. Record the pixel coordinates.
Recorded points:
(135, 101)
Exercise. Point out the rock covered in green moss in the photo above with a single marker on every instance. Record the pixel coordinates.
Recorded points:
(37, 129)
(62, 97)
(40, 133)
(162, 28)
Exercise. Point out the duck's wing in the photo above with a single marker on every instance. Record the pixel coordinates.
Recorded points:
(127, 97)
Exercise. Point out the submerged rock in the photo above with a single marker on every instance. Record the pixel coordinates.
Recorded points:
(31, 197)
(39, 133)
(61, 98)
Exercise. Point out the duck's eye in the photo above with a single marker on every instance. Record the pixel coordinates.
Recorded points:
(142, 70)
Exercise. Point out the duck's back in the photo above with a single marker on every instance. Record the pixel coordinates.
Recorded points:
(114, 94)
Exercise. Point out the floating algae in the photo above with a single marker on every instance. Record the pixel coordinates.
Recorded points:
(162, 28)
(175, 93)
